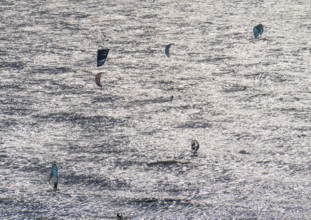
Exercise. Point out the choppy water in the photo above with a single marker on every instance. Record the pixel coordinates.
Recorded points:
(125, 148)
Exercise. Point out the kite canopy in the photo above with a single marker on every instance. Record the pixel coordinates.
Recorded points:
(258, 30)
(54, 174)
(102, 56)
(167, 50)
(194, 147)
(97, 79)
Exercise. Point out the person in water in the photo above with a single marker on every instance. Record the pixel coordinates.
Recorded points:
(55, 186)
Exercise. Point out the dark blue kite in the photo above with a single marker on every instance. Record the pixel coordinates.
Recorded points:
(167, 50)
(194, 147)
(102, 56)
(257, 30)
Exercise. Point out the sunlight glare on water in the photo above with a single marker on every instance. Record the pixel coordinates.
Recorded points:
(125, 147)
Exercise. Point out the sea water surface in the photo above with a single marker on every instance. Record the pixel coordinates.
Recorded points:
(125, 148)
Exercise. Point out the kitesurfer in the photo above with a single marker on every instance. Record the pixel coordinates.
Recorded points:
(53, 179)
(194, 147)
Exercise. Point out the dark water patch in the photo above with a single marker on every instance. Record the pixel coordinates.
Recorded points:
(89, 180)
(163, 163)
(15, 106)
(269, 76)
(194, 125)
(192, 80)
(166, 163)
(175, 189)
(7, 202)
(12, 65)
(238, 34)
(291, 110)
(115, 145)
(223, 72)
(245, 136)
(303, 129)
(138, 27)
(6, 124)
(153, 67)
(149, 101)
(299, 168)
(60, 11)
(259, 96)
(24, 163)
(188, 106)
(149, 133)
(234, 88)
(81, 15)
(225, 178)
(17, 111)
(244, 152)
(52, 70)
(124, 164)
(148, 16)
(15, 101)
(25, 208)
(13, 86)
(241, 211)
(159, 201)
(2, 53)
(94, 181)
(263, 161)
(5, 3)
(258, 75)
(105, 98)
(165, 85)
(182, 24)
(67, 26)
(66, 14)
(64, 88)
(213, 59)
(301, 135)
(3, 157)
(278, 78)
(95, 122)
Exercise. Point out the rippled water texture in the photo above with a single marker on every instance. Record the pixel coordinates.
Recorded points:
(125, 148)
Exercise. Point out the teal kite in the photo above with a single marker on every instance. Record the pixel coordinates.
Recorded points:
(257, 30)
(53, 179)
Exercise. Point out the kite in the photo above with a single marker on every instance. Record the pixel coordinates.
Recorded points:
(167, 50)
(257, 30)
(194, 147)
(53, 179)
(102, 56)
(97, 79)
